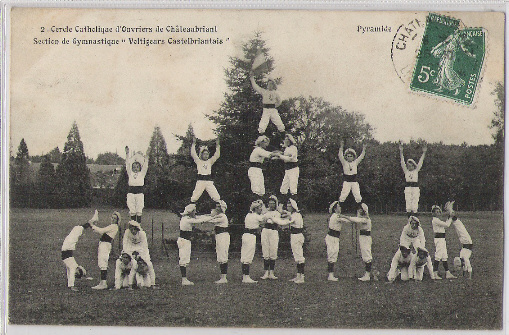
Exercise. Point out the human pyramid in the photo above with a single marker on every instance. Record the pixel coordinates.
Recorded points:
(270, 215)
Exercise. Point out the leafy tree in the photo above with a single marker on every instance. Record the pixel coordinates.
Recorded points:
(498, 118)
(22, 164)
(499, 148)
(46, 183)
(109, 158)
(20, 177)
(73, 174)
(157, 185)
(55, 155)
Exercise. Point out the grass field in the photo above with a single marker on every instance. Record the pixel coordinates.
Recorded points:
(38, 294)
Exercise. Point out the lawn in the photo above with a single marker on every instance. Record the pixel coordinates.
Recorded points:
(38, 294)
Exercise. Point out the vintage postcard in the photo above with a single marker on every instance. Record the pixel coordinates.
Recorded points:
(203, 169)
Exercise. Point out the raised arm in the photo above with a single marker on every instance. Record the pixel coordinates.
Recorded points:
(193, 150)
(402, 158)
(144, 167)
(363, 153)
(217, 154)
(421, 160)
(128, 164)
(254, 84)
(341, 154)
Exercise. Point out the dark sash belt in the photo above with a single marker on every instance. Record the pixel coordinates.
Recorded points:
(135, 189)
(220, 230)
(350, 178)
(467, 246)
(186, 234)
(250, 231)
(412, 184)
(296, 230)
(272, 226)
(106, 238)
(365, 232)
(291, 165)
(66, 254)
(439, 235)
(204, 177)
(334, 233)
(256, 165)
(269, 105)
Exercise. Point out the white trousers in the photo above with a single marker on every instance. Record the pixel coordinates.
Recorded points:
(350, 186)
(248, 248)
(412, 194)
(205, 185)
(296, 242)
(270, 241)
(332, 248)
(103, 254)
(270, 114)
(440, 249)
(135, 203)
(290, 181)
(71, 266)
(465, 255)
(365, 246)
(222, 247)
(407, 241)
(184, 246)
(257, 181)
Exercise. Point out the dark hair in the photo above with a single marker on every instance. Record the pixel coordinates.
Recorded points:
(403, 248)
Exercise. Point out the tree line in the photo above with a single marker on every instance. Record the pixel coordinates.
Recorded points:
(471, 175)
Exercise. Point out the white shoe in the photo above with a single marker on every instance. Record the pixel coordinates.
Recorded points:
(265, 275)
(272, 276)
(74, 289)
(186, 282)
(332, 278)
(300, 280)
(101, 286)
(94, 218)
(437, 277)
(366, 277)
(294, 279)
(248, 280)
(449, 275)
(221, 281)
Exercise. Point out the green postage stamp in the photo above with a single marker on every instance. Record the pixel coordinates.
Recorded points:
(450, 59)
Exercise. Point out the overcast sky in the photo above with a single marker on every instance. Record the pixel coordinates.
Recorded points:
(118, 94)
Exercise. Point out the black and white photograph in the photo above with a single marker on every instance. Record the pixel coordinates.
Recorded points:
(194, 169)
